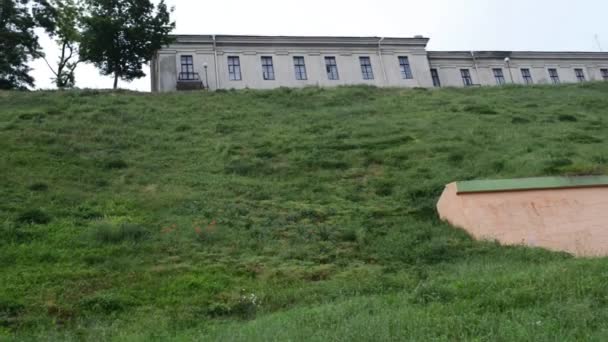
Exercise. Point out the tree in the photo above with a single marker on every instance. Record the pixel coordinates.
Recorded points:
(66, 18)
(18, 42)
(120, 36)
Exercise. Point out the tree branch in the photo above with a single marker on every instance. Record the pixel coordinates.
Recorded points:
(49, 65)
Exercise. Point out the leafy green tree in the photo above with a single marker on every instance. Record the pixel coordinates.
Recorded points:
(120, 36)
(18, 42)
(66, 17)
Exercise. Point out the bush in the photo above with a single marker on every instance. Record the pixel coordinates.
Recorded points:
(34, 216)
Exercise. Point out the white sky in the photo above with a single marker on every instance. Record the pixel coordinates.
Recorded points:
(451, 24)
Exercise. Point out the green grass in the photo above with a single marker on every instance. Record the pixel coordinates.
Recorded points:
(283, 215)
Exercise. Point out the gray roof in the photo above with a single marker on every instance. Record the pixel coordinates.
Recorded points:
(517, 55)
(297, 40)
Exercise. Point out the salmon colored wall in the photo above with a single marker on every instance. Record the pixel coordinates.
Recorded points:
(571, 220)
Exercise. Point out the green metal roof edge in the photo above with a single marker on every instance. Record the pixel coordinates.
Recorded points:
(523, 184)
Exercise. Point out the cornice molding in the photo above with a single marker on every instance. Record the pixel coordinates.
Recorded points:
(224, 40)
(544, 55)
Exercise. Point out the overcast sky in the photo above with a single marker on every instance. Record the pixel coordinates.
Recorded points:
(555, 25)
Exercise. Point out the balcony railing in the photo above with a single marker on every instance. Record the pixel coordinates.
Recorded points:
(189, 81)
(189, 76)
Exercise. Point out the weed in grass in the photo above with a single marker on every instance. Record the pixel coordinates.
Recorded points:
(480, 109)
(183, 128)
(10, 313)
(567, 118)
(39, 187)
(116, 164)
(105, 303)
(14, 233)
(31, 116)
(105, 233)
(519, 120)
(555, 165)
(34, 216)
(581, 138)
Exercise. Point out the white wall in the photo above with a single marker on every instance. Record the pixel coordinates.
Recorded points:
(347, 58)
(385, 63)
(449, 70)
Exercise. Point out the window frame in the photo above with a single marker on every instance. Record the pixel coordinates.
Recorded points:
(331, 68)
(187, 68)
(367, 71)
(300, 68)
(467, 79)
(268, 68)
(526, 75)
(189, 64)
(579, 73)
(604, 73)
(405, 67)
(554, 75)
(435, 77)
(234, 69)
(499, 76)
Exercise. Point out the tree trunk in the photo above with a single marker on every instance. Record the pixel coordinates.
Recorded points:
(115, 80)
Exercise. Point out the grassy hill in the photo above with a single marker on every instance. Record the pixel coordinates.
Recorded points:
(302, 215)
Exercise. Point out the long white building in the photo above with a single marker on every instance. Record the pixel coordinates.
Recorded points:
(264, 62)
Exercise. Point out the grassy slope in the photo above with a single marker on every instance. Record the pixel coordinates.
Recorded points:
(278, 215)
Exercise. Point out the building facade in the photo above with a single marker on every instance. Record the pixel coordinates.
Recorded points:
(265, 62)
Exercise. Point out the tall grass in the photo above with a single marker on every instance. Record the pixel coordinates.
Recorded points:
(289, 214)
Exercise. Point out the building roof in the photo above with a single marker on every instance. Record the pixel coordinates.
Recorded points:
(517, 55)
(298, 40)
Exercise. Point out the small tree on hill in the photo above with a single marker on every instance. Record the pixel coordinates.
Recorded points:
(66, 18)
(120, 36)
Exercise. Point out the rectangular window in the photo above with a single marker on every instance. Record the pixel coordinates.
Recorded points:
(366, 68)
(234, 68)
(300, 68)
(604, 74)
(435, 76)
(187, 69)
(580, 75)
(466, 77)
(554, 76)
(406, 69)
(267, 69)
(332, 68)
(499, 76)
(527, 76)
